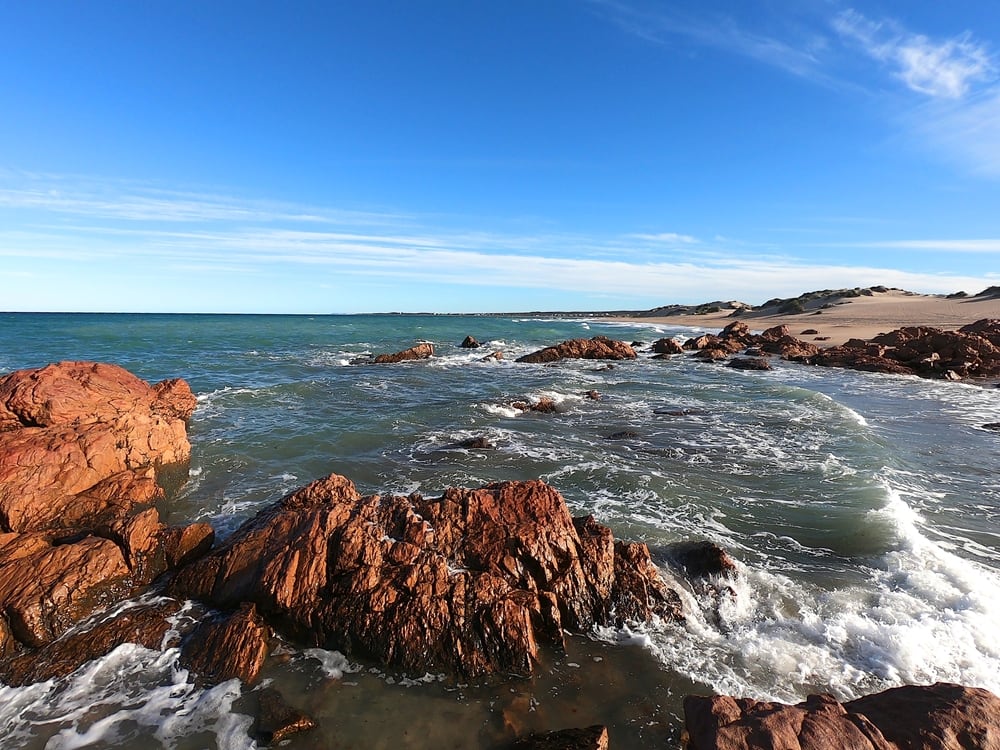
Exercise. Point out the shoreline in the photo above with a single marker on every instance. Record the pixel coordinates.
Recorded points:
(858, 317)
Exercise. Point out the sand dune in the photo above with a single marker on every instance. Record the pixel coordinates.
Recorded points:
(857, 317)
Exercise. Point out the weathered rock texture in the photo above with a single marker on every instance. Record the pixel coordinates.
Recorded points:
(80, 444)
(599, 347)
(934, 717)
(420, 351)
(145, 625)
(470, 583)
(971, 351)
(234, 646)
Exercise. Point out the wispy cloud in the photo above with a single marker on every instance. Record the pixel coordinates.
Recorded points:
(944, 68)
(250, 243)
(931, 245)
(796, 49)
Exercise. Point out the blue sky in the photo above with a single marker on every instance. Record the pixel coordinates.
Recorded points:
(493, 156)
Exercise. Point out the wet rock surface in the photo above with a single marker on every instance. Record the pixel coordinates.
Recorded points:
(420, 351)
(276, 720)
(145, 625)
(934, 717)
(233, 646)
(599, 347)
(469, 583)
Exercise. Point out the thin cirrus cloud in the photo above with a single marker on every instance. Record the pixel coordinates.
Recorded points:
(947, 68)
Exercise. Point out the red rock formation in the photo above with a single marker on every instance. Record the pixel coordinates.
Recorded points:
(470, 582)
(79, 449)
(420, 351)
(935, 717)
(145, 625)
(749, 363)
(972, 351)
(667, 346)
(234, 646)
(599, 347)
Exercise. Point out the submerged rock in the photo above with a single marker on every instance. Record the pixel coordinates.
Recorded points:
(420, 351)
(470, 583)
(276, 720)
(749, 363)
(591, 738)
(599, 347)
(933, 717)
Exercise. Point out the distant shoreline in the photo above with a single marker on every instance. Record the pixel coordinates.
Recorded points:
(859, 317)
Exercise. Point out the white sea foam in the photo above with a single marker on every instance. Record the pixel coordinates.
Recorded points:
(131, 696)
(927, 616)
(333, 664)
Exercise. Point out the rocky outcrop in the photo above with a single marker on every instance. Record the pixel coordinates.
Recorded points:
(470, 343)
(599, 347)
(971, 351)
(420, 351)
(667, 346)
(146, 625)
(80, 447)
(934, 717)
(470, 583)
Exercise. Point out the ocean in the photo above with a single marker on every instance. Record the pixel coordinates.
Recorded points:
(862, 511)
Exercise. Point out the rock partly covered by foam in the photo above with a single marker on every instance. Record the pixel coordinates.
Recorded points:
(933, 717)
(469, 583)
(420, 351)
(599, 347)
(80, 446)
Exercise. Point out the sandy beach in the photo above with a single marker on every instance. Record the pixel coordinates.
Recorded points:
(856, 317)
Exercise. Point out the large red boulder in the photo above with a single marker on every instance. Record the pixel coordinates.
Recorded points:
(420, 351)
(933, 717)
(599, 347)
(470, 583)
(80, 446)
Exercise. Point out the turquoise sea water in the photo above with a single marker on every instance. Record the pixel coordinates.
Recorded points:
(862, 509)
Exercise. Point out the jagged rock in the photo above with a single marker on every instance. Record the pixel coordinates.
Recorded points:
(470, 343)
(234, 646)
(667, 346)
(934, 717)
(145, 625)
(470, 583)
(276, 720)
(702, 559)
(749, 363)
(599, 347)
(591, 738)
(79, 452)
(420, 351)
(705, 341)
